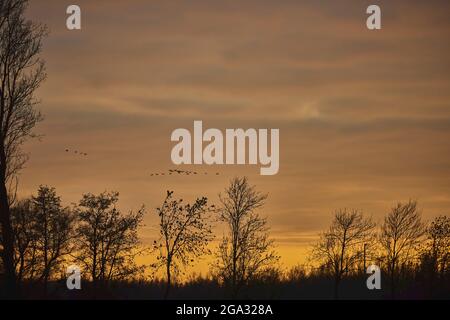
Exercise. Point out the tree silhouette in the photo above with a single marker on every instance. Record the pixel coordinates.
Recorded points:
(340, 246)
(24, 221)
(246, 250)
(184, 234)
(107, 240)
(400, 235)
(52, 230)
(21, 73)
(43, 230)
(435, 255)
(439, 243)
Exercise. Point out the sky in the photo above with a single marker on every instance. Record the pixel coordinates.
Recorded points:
(364, 116)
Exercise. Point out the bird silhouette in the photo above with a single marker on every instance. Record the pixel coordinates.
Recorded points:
(77, 152)
(176, 171)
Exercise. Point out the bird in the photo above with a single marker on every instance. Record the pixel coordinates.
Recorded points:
(177, 171)
(76, 152)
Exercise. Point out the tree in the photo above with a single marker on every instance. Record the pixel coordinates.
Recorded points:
(339, 247)
(43, 230)
(21, 73)
(246, 251)
(438, 234)
(401, 233)
(435, 256)
(107, 239)
(184, 234)
(23, 222)
(52, 229)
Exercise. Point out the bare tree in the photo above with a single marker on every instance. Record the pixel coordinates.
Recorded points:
(435, 253)
(401, 233)
(339, 248)
(52, 230)
(246, 251)
(21, 73)
(24, 228)
(42, 231)
(184, 234)
(438, 234)
(107, 239)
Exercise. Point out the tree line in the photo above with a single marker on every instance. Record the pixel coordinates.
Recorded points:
(104, 242)
(403, 245)
(93, 234)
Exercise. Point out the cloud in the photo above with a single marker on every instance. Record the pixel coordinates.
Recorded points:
(364, 117)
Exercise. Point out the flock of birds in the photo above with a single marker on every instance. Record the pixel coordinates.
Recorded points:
(77, 152)
(169, 172)
(180, 172)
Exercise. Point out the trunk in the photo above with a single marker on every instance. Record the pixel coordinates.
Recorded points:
(234, 275)
(166, 293)
(434, 268)
(11, 289)
(340, 267)
(393, 265)
(234, 289)
(336, 288)
(337, 281)
(94, 259)
(45, 247)
(393, 280)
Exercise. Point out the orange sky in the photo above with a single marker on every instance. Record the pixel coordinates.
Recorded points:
(364, 116)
